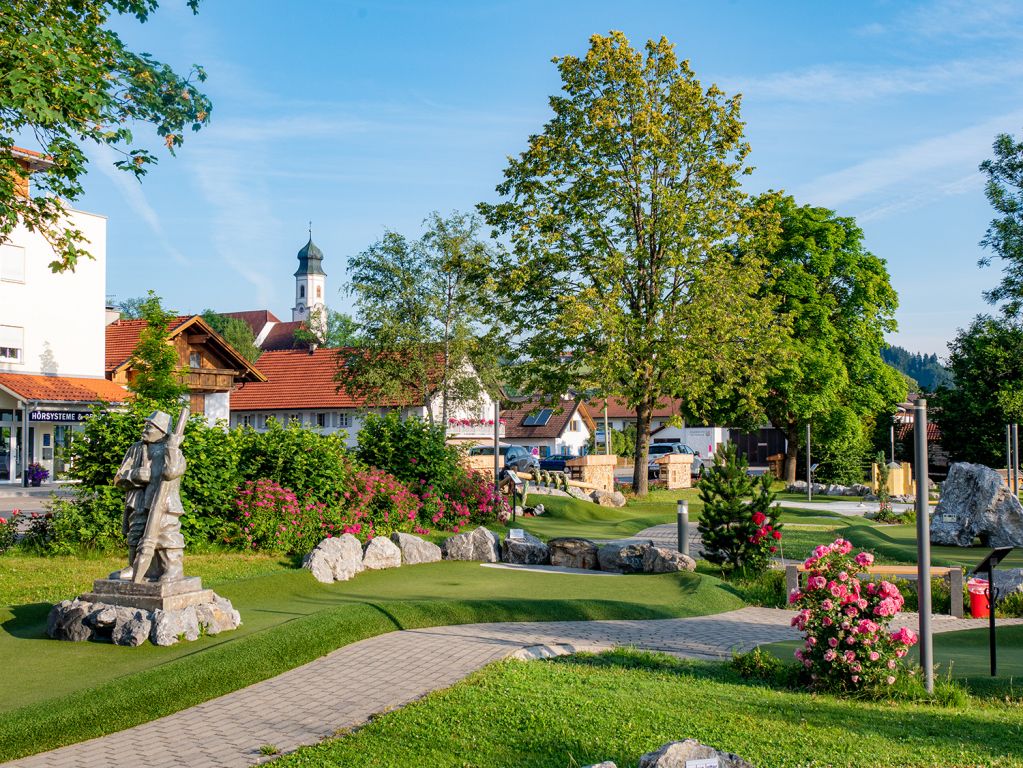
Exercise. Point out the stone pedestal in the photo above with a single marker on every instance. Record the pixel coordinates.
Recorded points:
(126, 613)
(597, 469)
(676, 470)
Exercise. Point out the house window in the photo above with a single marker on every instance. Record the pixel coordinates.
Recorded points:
(12, 263)
(12, 343)
(194, 360)
(245, 420)
(295, 417)
(344, 420)
(574, 426)
(321, 420)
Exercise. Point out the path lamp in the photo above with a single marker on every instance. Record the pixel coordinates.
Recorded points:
(923, 544)
(683, 526)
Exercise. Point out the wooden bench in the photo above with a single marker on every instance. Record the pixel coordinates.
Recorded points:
(954, 576)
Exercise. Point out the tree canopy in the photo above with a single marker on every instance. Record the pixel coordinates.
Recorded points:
(1004, 236)
(926, 371)
(332, 331)
(621, 216)
(236, 332)
(67, 79)
(840, 302)
(154, 363)
(987, 368)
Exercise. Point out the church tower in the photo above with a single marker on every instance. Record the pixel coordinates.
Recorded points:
(310, 287)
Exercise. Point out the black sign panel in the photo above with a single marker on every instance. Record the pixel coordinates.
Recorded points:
(58, 417)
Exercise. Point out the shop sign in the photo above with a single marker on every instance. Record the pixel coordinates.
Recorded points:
(59, 417)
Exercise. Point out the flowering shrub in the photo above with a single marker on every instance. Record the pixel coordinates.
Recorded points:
(470, 501)
(270, 517)
(378, 504)
(7, 526)
(847, 645)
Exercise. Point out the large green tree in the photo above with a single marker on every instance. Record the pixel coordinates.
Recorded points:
(839, 300)
(421, 317)
(158, 377)
(1004, 236)
(236, 332)
(621, 215)
(329, 329)
(987, 367)
(68, 80)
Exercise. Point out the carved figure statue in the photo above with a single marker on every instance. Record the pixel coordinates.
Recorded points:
(151, 474)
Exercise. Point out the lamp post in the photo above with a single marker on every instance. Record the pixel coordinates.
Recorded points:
(683, 526)
(923, 544)
(809, 480)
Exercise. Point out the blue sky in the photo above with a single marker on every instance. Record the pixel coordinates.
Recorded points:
(366, 116)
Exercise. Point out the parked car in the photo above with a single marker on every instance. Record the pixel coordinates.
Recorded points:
(555, 462)
(515, 456)
(660, 449)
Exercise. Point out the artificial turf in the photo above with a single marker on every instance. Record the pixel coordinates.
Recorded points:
(59, 693)
(586, 709)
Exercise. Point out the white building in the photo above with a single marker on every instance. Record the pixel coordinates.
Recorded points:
(51, 341)
(544, 429)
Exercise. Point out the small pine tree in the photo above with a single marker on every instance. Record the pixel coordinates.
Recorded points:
(739, 525)
(155, 362)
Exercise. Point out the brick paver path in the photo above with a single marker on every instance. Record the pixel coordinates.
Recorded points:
(346, 687)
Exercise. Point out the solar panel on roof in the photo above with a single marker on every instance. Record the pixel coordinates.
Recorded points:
(538, 419)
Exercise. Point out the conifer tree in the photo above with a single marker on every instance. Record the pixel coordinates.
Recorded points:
(739, 525)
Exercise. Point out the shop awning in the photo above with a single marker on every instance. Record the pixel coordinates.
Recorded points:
(61, 389)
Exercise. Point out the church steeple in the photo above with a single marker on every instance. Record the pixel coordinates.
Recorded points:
(310, 284)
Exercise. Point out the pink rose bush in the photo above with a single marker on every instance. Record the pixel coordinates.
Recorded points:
(847, 643)
(7, 530)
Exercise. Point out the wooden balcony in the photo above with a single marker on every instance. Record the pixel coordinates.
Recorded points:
(209, 379)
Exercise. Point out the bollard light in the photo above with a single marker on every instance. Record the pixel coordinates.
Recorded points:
(683, 526)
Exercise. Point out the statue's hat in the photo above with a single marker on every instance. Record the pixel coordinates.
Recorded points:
(161, 421)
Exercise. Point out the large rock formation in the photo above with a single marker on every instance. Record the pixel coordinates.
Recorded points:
(573, 553)
(335, 559)
(381, 553)
(525, 550)
(623, 557)
(664, 560)
(480, 544)
(678, 753)
(415, 550)
(976, 503)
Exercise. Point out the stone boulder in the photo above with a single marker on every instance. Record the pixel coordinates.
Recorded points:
(168, 627)
(605, 764)
(381, 553)
(67, 621)
(623, 557)
(975, 502)
(480, 544)
(576, 493)
(605, 499)
(133, 628)
(218, 616)
(677, 753)
(528, 550)
(335, 559)
(664, 560)
(415, 550)
(570, 552)
(1007, 581)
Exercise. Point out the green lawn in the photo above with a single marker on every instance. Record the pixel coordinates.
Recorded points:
(290, 619)
(586, 709)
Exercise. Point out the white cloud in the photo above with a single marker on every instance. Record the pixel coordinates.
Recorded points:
(967, 19)
(133, 194)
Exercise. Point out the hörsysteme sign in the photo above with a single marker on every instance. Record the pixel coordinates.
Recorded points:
(62, 417)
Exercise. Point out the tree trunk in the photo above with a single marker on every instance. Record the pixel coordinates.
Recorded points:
(791, 451)
(640, 473)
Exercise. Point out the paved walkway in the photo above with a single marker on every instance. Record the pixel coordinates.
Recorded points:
(344, 688)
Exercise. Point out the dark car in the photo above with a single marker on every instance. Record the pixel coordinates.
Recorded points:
(556, 461)
(515, 456)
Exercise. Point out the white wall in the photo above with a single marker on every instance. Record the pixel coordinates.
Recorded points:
(703, 440)
(63, 315)
(218, 406)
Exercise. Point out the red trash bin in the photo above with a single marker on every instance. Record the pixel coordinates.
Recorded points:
(980, 605)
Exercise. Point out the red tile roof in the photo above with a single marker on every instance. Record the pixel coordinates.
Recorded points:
(256, 319)
(617, 409)
(123, 337)
(62, 389)
(296, 378)
(282, 337)
(514, 418)
(905, 430)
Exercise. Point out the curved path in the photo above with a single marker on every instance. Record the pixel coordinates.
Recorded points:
(344, 688)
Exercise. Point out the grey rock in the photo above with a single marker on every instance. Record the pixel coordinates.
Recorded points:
(571, 552)
(168, 627)
(1007, 581)
(870, 497)
(605, 499)
(859, 489)
(797, 487)
(975, 502)
(539, 510)
(133, 630)
(480, 544)
(675, 755)
(102, 616)
(579, 493)
(528, 550)
(620, 557)
(415, 550)
(66, 621)
(218, 616)
(664, 560)
(381, 553)
(605, 764)
(335, 559)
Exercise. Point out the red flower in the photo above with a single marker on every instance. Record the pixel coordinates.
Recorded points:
(759, 518)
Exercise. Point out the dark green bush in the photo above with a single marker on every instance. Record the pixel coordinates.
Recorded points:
(756, 665)
(412, 450)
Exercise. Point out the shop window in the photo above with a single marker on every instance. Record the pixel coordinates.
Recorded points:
(12, 343)
(12, 263)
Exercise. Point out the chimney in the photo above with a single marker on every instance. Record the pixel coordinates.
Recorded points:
(30, 162)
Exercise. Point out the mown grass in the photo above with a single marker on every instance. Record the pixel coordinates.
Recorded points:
(586, 709)
(56, 693)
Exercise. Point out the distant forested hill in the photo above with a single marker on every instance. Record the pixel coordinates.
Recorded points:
(924, 368)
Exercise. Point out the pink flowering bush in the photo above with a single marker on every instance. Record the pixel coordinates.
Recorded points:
(270, 517)
(378, 504)
(7, 526)
(847, 643)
